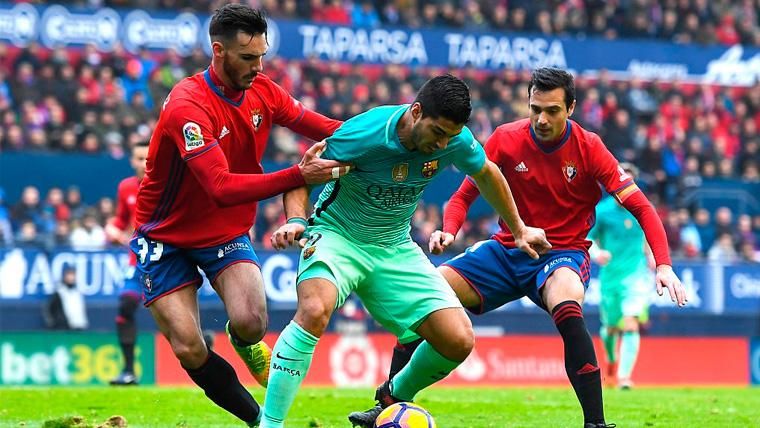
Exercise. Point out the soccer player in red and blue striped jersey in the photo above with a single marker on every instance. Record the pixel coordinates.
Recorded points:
(198, 200)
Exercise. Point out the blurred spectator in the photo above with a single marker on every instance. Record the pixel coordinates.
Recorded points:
(723, 221)
(705, 229)
(89, 235)
(723, 250)
(28, 209)
(28, 236)
(691, 242)
(364, 14)
(74, 201)
(65, 310)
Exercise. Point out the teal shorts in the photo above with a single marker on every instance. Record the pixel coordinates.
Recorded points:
(626, 297)
(398, 285)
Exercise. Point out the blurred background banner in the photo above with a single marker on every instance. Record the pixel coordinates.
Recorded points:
(57, 26)
(31, 275)
(73, 358)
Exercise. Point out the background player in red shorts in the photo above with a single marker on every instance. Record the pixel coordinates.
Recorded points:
(119, 230)
(198, 201)
(555, 169)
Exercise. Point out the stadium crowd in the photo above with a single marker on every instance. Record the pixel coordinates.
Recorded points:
(681, 21)
(679, 134)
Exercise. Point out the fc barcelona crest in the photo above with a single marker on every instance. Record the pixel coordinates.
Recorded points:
(429, 168)
(569, 171)
(308, 252)
(256, 119)
(400, 172)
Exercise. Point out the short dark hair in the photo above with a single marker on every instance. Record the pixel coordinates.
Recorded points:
(445, 96)
(547, 79)
(233, 18)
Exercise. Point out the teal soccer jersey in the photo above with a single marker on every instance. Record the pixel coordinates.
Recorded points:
(375, 202)
(617, 231)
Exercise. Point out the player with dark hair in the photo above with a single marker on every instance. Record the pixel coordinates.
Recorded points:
(198, 200)
(359, 241)
(555, 168)
(118, 230)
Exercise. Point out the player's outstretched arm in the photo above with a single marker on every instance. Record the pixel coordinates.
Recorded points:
(296, 203)
(454, 215)
(495, 189)
(650, 223)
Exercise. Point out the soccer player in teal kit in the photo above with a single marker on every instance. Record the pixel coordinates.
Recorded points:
(625, 280)
(557, 170)
(359, 240)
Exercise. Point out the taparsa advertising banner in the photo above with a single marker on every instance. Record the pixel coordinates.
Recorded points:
(57, 25)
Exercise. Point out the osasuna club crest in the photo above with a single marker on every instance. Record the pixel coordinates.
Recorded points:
(400, 172)
(569, 171)
(256, 119)
(429, 168)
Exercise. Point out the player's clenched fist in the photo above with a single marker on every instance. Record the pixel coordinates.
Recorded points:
(316, 170)
(287, 235)
(439, 241)
(533, 241)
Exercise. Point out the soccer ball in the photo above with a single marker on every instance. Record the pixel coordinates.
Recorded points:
(405, 415)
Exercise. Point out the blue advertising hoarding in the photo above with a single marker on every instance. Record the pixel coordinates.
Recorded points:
(30, 274)
(742, 288)
(58, 25)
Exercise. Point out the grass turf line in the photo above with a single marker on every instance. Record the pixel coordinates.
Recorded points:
(145, 407)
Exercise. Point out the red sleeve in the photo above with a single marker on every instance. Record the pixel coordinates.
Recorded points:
(121, 218)
(291, 113)
(645, 214)
(456, 210)
(189, 128)
(607, 171)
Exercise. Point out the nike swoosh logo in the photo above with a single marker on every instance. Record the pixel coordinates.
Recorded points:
(286, 358)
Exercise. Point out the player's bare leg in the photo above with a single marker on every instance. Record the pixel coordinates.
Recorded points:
(629, 351)
(177, 317)
(241, 288)
(295, 347)
(448, 341)
(402, 353)
(563, 296)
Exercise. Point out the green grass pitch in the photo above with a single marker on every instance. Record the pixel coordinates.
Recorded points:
(328, 407)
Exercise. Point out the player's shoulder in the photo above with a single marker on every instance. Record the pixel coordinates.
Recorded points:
(464, 138)
(373, 119)
(128, 184)
(380, 113)
(518, 130)
(190, 93)
(263, 85)
(521, 127)
(585, 137)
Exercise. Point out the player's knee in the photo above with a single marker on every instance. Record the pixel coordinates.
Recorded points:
(459, 343)
(313, 315)
(631, 324)
(191, 354)
(250, 327)
(127, 307)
